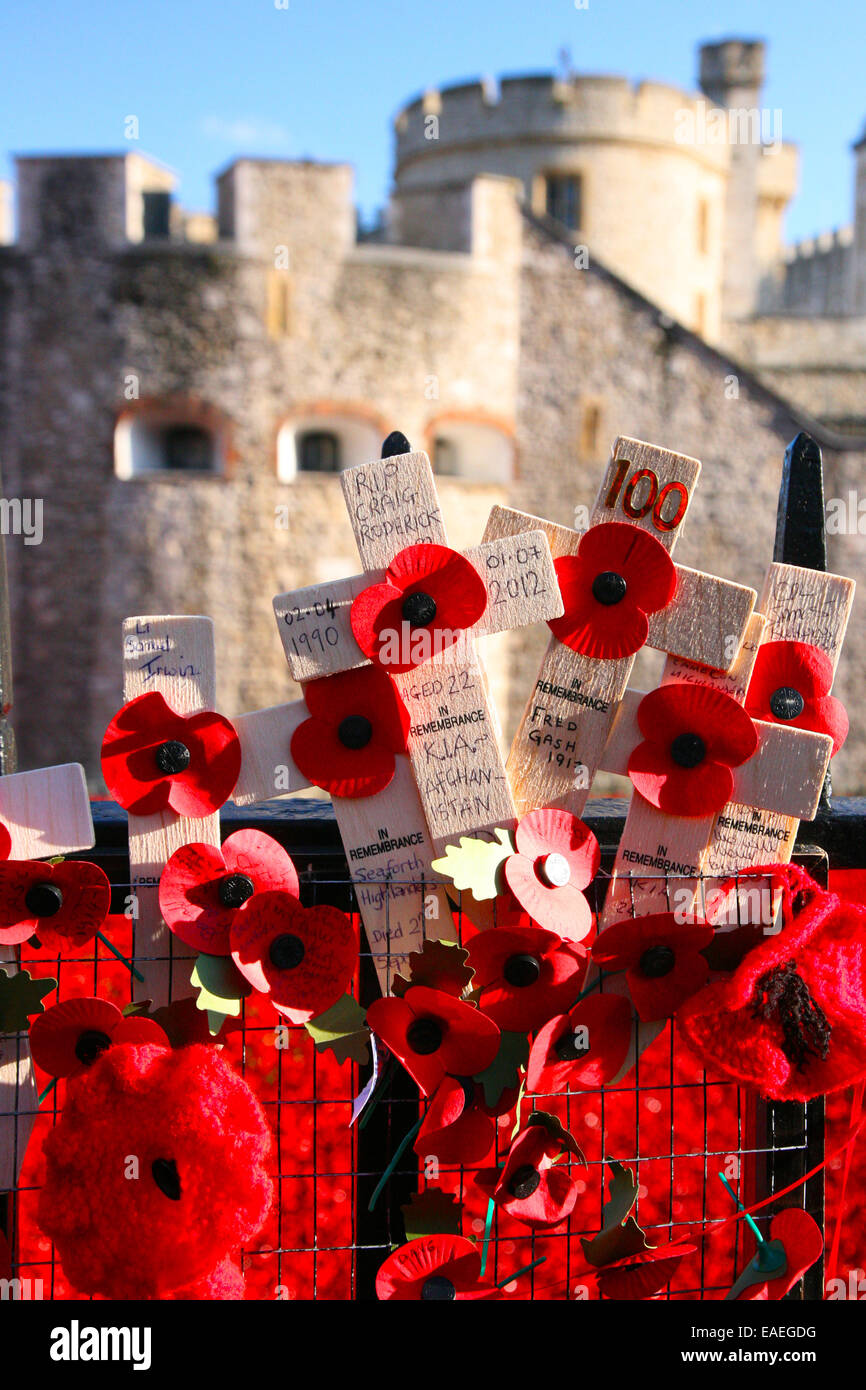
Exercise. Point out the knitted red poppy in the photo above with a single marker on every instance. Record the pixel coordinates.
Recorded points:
(694, 735)
(156, 760)
(530, 1188)
(69, 1037)
(791, 1019)
(557, 856)
(65, 903)
(803, 1243)
(303, 957)
(790, 685)
(619, 575)
(525, 976)
(357, 725)
(429, 597)
(661, 957)
(431, 1268)
(202, 887)
(457, 1127)
(199, 1188)
(435, 1035)
(583, 1049)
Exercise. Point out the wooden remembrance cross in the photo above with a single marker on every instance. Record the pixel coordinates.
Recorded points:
(454, 781)
(46, 812)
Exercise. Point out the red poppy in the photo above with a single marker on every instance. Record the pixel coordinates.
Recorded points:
(430, 595)
(69, 1037)
(583, 1049)
(458, 1127)
(202, 887)
(156, 760)
(803, 1244)
(357, 726)
(790, 685)
(302, 957)
(661, 957)
(532, 1187)
(435, 1035)
(619, 575)
(525, 975)
(432, 1268)
(66, 902)
(5, 842)
(557, 856)
(694, 735)
(644, 1274)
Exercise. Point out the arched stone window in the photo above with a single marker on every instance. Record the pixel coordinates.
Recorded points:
(326, 439)
(473, 447)
(319, 452)
(182, 437)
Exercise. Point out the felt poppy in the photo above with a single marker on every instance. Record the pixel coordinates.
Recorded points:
(525, 975)
(357, 726)
(458, 1127)
(436, 1267)
(790, 685)
(557, 856)
(803, 1244)
(619, 575)
(533, 1187)
(202, 887)
(156, 760)
(694, 735)
(791, 1019)
(429, 596)
(69, 1037)
(661, 957)
(644, 1274)
(66, 903)
(435, 1035)
(302, 957)
(583, 1049)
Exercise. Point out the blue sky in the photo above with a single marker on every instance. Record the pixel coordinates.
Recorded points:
(209, 79)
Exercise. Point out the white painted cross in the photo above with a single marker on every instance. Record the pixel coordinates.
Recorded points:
(46, 813)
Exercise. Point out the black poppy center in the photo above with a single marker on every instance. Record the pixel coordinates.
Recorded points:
(286, 952)
(787, 703)
(524, 1182)
(424, 1035)
(657, 961)
(355, 731)
(437, 1287)
(688, 750)
(234, 889)
(172, 757)
(166, 1177)
(90, 1045)
(609, 588)
(43, 899)
(419, 609)
(569, 1049)
(521, 970)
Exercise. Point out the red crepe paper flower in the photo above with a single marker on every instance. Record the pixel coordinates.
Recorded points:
(66, 903)
(69, 1037)
(357, 726)
(430, 595)
(525, 976)
(530, 1188)
(661, 957)
(790, 685)
(693, 735)
(583, 1049)
(202, 887)
(437, 1267)
(458, 1127)
(435, 1035)
(557, 856)
(156, 760)
(619, 575)
(791, 1019)
(642, 1275)
(303, 957)
(803, 1243)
